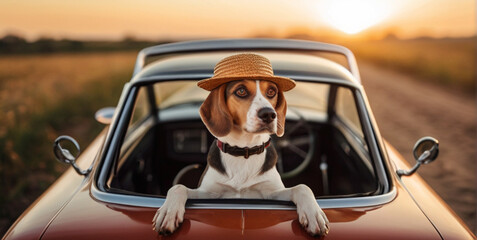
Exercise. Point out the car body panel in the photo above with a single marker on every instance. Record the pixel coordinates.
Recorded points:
(112, 221)
(387, 221)
(450, 226)
(86, 218)
(246, 45)
(36, 218)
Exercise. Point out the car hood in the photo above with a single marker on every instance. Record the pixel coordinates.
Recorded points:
(86, 218)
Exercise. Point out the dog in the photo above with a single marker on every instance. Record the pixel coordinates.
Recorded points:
(242, 114)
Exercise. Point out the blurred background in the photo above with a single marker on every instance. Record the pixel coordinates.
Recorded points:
(60, 61)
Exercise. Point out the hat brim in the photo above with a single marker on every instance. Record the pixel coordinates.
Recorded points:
(283, 83)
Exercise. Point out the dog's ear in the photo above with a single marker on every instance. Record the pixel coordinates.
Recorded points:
(281, 110)
(215, 114)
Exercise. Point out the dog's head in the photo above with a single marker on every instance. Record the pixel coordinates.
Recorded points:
(252, 106)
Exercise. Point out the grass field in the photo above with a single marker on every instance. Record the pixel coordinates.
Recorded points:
(44, 96)
(449, 62)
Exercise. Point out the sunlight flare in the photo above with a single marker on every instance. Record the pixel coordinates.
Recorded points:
(351, 16)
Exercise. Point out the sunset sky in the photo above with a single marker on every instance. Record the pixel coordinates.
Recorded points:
(153, 19)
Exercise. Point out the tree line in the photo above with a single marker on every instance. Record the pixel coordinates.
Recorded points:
(14, 44)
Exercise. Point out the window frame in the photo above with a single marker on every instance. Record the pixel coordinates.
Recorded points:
(115, 137)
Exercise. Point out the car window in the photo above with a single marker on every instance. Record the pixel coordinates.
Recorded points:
(346, 110)
(312, 96)
(169, 94)
(141, 109)
(140, 113)
(138, 126)
(351, 141)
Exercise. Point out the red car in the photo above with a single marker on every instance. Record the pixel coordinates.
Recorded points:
(154, 139)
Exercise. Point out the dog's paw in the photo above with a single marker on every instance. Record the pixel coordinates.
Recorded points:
(168, 218)
(313, 219)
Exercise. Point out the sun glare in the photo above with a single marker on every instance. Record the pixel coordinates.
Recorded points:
(352, 16)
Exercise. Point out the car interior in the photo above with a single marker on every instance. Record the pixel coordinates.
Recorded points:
(323, 147)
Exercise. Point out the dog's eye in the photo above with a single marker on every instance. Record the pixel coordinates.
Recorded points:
(271, 92)
(241, 92)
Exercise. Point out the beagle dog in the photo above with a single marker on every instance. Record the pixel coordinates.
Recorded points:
(242, 115)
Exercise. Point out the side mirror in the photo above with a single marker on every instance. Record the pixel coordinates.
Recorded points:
(64, 155)
(105, 115)
(425, 151)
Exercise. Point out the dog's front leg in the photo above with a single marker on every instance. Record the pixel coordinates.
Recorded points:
(310, 215)
(171, 214)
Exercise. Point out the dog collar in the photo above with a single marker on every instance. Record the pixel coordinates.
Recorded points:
(238, 151)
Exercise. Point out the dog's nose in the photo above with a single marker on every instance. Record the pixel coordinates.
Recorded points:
(267, 114)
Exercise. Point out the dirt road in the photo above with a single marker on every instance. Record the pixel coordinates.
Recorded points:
(407, 109)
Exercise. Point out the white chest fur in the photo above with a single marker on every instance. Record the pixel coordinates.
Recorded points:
(243, 178)
(242, 173)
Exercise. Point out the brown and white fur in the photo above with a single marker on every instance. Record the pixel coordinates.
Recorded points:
(234, 114)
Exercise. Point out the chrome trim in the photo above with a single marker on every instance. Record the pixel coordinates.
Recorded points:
(111, 138)
(373, 138)
(156, 202)
(364, 201)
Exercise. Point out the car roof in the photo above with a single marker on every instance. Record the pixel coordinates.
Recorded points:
(299, 60)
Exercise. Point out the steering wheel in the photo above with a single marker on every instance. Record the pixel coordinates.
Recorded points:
(295, 148)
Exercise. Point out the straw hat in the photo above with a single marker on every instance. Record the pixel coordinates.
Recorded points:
(245, 66)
